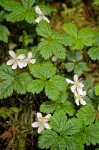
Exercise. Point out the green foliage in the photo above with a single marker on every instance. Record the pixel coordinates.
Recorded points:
(78, 68)
(87, 114)
(45, 73)
(4, 33)
(81, 38)
(12, 82)
(19, 11)
(97, 89)
(53, 42)
(92, 133)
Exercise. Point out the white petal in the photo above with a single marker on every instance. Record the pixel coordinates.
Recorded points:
(38, 10)
(48, 116)
(82, 101)
(69, 81)
(46, 125)
(76, 94)
(38, 19)
(77, 101)
(83, 93)
(10, 62)
(46, 19)
(75, 78)
(41, 128)
(20, 64)
(32, 61)
(21, 56)
(14, 66)
(73, 88)
(24, 63)
(80, 90)
(35, 124)
(12, 54)
(81, 85)
(29, 55)
(39, 115)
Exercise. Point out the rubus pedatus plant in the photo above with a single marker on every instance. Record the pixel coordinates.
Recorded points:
(41, 73)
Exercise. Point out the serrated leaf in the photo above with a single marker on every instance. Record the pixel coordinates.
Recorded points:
(44, 29)
(48, 107)
(74, 55)
(87, 114)
(80, 67)
(86, 36)
(47, 138)
(97, 89)
(88, 83)
(92, 134)
(58, 121)
(51, 47)
(4, 33)
(70, 29)
(73, 126)
(94, 53)
(43, 71)
(70, 66)
(36, 86)
(19, 11)
(21, 82)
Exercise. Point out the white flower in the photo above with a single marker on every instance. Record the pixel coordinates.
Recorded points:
(79, 98)
(16, 60)
(42, 122)
(41, 15)
(77, 85)
(29, 59)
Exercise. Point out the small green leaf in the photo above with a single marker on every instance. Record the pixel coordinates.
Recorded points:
(87, 114)
(4, 33)
(48, 107)
(80, 67)
(97, 89)
(88, 83)
(27, 3)
(58, 121)
(70, 66)
(94, 53)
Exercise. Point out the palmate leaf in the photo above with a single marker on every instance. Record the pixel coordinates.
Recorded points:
(19, 11)
(4, 33)
(81, 38)
(92, 133)
(12, 82)
(54, 42)
(87, 114)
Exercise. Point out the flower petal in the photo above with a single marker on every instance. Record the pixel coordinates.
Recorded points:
(10, 62)
(20, 64)
(46, 125)
(21, 56)
(29, 55)
(32, 61)
(12, 54)
(73, 88)
(39, 115)
(69, 81)
(35, 124)
(77, 101)
(41, 128)
(81, 84)
(14, 66)
(82, 101)
(46, 19)
(38, 10)
(48, 116)
(75, 78)
(38, 19)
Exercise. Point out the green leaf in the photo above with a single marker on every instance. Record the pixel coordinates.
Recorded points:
(86, 36)
(51, 47)
(44, 29)
(92, 134)
(80, 68)
(43, 71)
(94, 53)
(48, 107)
(74, 55)
(88, 83)
(73, 126)
(70, 66)
(47, 138)
(58, 121)
(97, 89)
(87, 114)
(19, 11)
(21, 82)
(4, 33)
(70, 29)
(36, 86)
